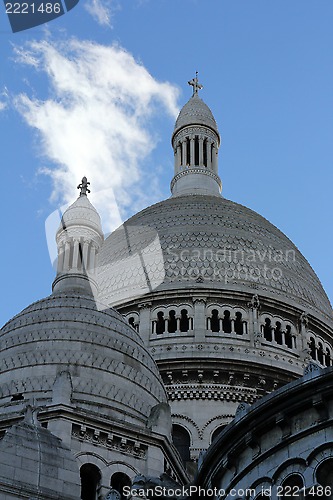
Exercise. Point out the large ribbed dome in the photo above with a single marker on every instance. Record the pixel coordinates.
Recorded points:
(110, 369)
(206, 242)
(195, 112)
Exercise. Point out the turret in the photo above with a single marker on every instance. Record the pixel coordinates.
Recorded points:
(79, 239)
(195, 142)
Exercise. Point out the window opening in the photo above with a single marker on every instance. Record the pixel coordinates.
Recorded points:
(90, 481)
(172, 322)
(181, 440)
(160, 324)
(226, 322)
(288, 337)
(278, 333)
(239, 323)
(118, 481)
(215, 321)
(184, 321)
(268, 330)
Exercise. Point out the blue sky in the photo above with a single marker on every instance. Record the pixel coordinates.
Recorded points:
(110, 76)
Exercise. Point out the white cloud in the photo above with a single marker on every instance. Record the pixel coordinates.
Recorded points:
(97, 122)
(3, 106)
(100, 10)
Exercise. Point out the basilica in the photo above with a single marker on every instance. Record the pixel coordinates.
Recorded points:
(192, 346)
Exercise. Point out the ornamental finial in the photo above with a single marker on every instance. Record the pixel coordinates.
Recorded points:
(195, 84)
(84, 187)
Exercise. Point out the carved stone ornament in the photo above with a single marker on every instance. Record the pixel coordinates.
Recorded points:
(254, 303)
(113, 495)
(312, 368)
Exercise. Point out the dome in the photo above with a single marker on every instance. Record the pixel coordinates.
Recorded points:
(109, 367)
(81, 213)
(34, 460)
(206, 242)
(195, 112)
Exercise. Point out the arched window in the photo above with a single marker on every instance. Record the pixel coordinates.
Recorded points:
(160, 323)
(132, 322)
(188, 152)
(288, 337)
(325, 474)
(217, 432)
(320, 353)
(118, 481)
(172, 322)
(312, 346)
(215, 321)
(268, 330)
(292, 487)
(278, 333)
(184, 321)
(226, 322)
(239, 323)
(205, 153)
(181, 440)
(327, 357)
(90, 481)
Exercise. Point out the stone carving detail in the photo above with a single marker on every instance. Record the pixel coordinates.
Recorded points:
(113, 495)
(254, 303)
(142, 483)
(304, 319)
(110, 440)
(242, 408)
(216, 392)
(312, 368)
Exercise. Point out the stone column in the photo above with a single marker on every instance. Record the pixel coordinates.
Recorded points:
(67, 254)
(254, 330)
(192, 155)
(184, 152)
(145, 325)
(201, 159)
(199, 319)
(92, 258)
(209, 154)
(60, 263)
(214, 158)
(75, 255)
(85, 255)
(178, 157)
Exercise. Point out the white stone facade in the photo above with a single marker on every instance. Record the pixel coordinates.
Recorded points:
(216, 309)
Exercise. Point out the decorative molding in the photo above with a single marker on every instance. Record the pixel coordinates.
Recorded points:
(212, 392)
(110, 440)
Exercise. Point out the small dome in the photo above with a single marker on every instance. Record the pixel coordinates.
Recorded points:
(81, 213)
(109, 366)
(195, 112)
(35, 461)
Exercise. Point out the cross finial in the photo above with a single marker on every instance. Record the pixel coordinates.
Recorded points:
(84, 187)
(195, 84)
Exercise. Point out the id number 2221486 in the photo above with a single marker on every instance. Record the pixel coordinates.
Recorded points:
(33, 8)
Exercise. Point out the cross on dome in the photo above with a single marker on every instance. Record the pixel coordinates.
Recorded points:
(195, 84)
(84, 187)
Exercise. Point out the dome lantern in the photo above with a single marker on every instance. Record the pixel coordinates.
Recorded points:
(195, 142)
(79, 239)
